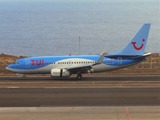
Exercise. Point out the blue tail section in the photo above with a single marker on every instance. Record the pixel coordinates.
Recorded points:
(137, 44)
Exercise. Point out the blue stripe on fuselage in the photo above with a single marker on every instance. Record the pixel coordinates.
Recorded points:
(39, 62)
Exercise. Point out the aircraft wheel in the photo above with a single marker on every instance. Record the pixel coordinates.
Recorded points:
(23, 78)
(79, 76)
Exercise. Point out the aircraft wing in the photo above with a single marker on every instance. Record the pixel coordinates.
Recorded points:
(86, 68)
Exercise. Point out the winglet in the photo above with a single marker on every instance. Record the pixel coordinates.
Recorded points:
(101, 58)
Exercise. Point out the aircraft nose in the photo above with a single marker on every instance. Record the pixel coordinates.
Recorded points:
(8, 68)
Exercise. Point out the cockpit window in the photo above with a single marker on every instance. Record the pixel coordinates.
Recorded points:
(15, 62)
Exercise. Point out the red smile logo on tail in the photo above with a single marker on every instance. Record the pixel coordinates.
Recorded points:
(138, 48)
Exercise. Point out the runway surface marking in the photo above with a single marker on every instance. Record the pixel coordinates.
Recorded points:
(82, 84)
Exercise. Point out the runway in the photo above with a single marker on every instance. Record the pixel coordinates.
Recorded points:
(86, 77)
(63, 97)
(96, 91)
(95, 97)
(88, 81)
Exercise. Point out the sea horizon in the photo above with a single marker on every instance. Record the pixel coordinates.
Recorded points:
(55, 28)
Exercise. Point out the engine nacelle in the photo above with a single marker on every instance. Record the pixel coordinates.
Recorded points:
(60, 73)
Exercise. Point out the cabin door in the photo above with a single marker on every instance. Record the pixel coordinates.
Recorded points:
(120, 60)
(27, 64)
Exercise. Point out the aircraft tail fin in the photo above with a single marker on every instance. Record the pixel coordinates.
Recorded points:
(137, 44)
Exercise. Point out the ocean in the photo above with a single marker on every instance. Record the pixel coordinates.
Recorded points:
(39, 28)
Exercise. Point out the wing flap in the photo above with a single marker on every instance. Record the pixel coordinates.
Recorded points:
(82, 69)
(79, 67)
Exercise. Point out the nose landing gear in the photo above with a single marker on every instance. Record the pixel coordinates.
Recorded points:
(23, 76)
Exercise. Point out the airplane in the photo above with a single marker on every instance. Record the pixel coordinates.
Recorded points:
(65, 66)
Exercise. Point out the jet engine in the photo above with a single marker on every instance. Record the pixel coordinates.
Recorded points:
(60, 73)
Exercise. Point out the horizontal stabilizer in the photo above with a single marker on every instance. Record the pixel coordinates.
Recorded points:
(144, 55)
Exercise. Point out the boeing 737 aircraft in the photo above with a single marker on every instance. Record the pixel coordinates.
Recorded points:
(65, 66)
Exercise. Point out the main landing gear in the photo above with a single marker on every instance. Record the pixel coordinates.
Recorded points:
(24, 77)
(79, 76)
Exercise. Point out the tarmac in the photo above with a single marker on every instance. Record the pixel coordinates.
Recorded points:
(93, 98)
